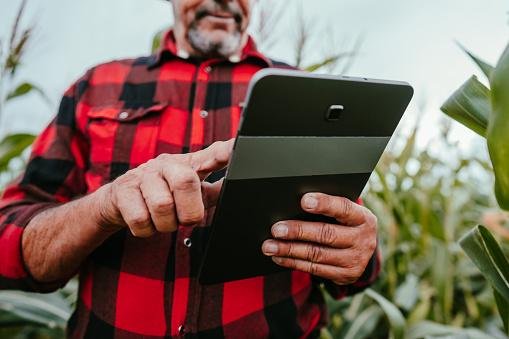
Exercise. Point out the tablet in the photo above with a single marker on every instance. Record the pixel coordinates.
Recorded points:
(299, 133)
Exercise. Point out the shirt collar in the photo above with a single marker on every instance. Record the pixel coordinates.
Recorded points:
(168, 50)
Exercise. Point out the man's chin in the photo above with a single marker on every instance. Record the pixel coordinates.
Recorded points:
(216, 36)
(216, 42)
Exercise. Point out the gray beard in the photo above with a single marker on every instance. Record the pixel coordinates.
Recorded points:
(225, 48)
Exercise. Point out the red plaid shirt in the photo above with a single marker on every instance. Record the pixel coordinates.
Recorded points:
(116, 117)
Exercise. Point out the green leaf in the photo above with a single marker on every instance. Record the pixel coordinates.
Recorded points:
(328, 61)
(428, 329)
(364, 323)
(407, 293)
(443, 281)
(392, 313)
(487, 255)
(503, 308)
(156, 41)
(407, 153)
(12, 146)
(470, 105)
(8, 319)
(498, 143)
(16, 53)
(422, 309)
(325, 334)
(21, 90)
(486, 68)
(50, 310)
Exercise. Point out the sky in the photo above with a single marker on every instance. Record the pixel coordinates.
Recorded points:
(407, 40)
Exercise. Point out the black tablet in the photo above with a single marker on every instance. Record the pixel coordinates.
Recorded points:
(299, 133)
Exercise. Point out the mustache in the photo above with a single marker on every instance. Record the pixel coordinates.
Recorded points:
(212, 6)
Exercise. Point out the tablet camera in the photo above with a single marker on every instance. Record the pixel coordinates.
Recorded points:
(334, 112)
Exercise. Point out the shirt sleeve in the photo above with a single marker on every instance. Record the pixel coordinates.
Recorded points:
(369, 276)
(54, 175)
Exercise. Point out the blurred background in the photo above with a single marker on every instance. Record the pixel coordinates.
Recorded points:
(434, 183)
(393, 39)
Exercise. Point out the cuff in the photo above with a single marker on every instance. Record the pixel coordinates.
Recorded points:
(14, 273)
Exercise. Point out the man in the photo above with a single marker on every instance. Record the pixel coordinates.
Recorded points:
(115, 190)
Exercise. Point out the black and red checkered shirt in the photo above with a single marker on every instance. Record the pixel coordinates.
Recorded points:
(116, 117)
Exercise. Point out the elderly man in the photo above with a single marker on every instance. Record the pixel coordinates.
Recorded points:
(115, 190)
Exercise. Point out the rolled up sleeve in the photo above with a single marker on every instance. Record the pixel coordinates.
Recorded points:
(13, 272)
(54, 175)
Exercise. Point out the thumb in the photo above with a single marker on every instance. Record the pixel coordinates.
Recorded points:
(211, 192)
(211, 159)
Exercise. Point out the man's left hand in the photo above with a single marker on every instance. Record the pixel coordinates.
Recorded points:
(337, 252)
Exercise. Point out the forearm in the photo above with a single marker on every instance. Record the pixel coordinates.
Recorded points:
(56, 241)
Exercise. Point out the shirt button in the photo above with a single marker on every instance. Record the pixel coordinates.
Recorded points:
(182, 329)
(188, 242)
(204, 114)
(123, 115)
(208, 69)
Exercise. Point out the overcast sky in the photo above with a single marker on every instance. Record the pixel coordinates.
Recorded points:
(406, 40)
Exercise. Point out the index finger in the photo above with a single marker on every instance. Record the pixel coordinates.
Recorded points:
(342, 209)
(213, 158)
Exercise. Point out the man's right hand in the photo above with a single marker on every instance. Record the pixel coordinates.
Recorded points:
(164, 192)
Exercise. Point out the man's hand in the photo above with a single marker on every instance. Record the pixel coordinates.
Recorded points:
(338, 252)
(164, 192)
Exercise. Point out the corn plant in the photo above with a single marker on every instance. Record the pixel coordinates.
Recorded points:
(424, 201)
(12, 51)
(485, 110)
(30, 315)
(25, 315)
(428, 287)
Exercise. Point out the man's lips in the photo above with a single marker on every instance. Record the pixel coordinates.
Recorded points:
(223, 19)
(220, 16)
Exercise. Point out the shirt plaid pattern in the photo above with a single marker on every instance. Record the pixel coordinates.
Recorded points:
(116, 117)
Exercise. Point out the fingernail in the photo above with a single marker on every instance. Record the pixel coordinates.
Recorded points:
(269, 247)
(310, 202)
(277, 260)
(280, 230)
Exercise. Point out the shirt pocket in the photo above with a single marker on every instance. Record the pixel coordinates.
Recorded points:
(120, 114)
(120, 139)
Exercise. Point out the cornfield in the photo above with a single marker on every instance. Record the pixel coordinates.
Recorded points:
(426, 198)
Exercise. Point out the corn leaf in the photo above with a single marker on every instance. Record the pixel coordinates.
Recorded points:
(486, 68)
(156, 41)
(498, 144)
(470, 105)
(48, 310)
(21, 90)
(407, 293)
(487, 255)
(8, 319)
(26, 88)
(392, 313)
(364, 323)
(328, 61)
(443, 276)
(503, 308)
(16, 53)
(422, 309)
(428, 329)
(12, 146)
